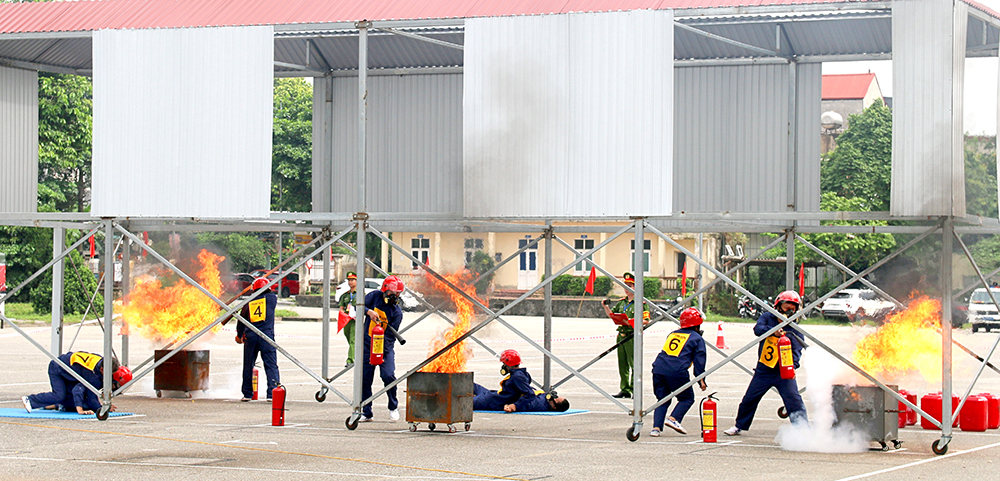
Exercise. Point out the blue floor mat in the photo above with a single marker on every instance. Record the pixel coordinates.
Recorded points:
(47, 414)
(539, 413)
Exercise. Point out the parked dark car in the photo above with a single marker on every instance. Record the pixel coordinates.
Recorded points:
(289, 285)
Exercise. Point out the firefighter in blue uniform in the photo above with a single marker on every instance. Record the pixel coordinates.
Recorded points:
(515, 384)
(539, 402)
(683, 348)
(260, 313)
(68, 392)
(382, 307)
(767, 373)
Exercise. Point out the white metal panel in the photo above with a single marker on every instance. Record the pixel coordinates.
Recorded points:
(182, 122)
(18, 140)
(928, 169)
(568, 114)
(414, 146)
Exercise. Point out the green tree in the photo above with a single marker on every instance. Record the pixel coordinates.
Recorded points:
(79, 285)
(65, 126)
(861, 165)
(981, 176)
(291, 169)
(243, 251)
(482, 262)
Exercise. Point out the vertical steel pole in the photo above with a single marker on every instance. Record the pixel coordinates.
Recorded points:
(326, 313)
(359, 340)
(638, 309)
(109, 297)
(790, 259)
(58, 288)
(947, 238)
(547, 334)
(126, 288)
(701, 255)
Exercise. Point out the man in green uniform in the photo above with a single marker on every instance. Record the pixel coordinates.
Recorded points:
(346, 303)
(626, 305)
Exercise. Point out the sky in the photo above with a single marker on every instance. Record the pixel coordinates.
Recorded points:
(980, 102)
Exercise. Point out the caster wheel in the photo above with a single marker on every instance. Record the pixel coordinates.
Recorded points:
(885, 447)
(351, 425)
(431, 426)
(468, 426)
(782, 412)
(188, 394)
(159, 393)
(452, 429)
(896, 444)
(631, 434)
(413, 428)
(939, 450)
(320, 396)
(102, 414)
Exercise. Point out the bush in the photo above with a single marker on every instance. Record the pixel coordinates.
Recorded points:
(482, 262)
(723, 303)
(570, 285)
(651, 287)
(76, 296)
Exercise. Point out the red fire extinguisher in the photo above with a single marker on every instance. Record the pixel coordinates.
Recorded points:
(709, 419)
(785, 361)
(378, 340)
(278, 406)
(254, 397)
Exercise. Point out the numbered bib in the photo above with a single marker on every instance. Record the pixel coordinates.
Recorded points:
(381, 320)
(258, 310)
(769, 353)
(675, 342)
(85, 359)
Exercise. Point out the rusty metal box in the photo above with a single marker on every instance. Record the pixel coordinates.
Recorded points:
(439, 397)
(185, 371)
(870, 410)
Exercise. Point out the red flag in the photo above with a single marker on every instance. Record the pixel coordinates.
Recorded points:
(91, 240)
(684, 280)
(342, 320)
(590, 281)
(145, 240)
(802, 279)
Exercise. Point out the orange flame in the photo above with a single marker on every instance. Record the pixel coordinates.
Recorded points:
(172, 313)
(909, 342)
(455, 358)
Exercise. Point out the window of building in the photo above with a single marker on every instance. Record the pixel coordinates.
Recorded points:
(420, 248)
(471, 246)
(681, 259)
(646, 244)
(583, 244)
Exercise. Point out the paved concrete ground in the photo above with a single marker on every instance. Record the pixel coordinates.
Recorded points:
(214, 436)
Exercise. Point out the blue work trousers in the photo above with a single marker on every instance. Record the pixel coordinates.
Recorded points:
(61, 388)
(663, 385)
(763, 379)
(387, 371)
(269, 355)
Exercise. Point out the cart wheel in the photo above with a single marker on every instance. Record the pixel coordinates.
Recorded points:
(320, 396)
(159, 393)
(975, 328)
(102, 413)
(885, 447)
(451, 428)
(431, 426)
(782, 412)
(939, 450)
(351, 425)
(413, 427)
(188, 394)
(468, 426)
(896, 444)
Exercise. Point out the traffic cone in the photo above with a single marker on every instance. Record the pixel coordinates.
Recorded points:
(720, 338)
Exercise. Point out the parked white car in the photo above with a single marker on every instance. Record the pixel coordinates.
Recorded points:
(853, 304)
(408, 299)
(982, 313)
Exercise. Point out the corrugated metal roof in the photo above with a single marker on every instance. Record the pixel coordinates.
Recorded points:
(120, 14)
(847, 86)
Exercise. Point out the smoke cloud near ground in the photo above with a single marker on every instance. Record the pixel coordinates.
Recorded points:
(819, 435)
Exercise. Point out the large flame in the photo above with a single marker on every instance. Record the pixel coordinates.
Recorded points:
(172, 313)
(455, 358)
(908, 343)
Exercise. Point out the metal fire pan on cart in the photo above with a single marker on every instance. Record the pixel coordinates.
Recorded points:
(186, 371)
(439, 398)
(870, 410)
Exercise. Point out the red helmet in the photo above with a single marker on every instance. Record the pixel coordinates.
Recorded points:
(122, 375)
(392, 283)
(510, 358)
(259, 283)
(691, 317)
(788, 296)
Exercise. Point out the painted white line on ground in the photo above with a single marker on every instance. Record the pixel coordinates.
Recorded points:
(917, 463)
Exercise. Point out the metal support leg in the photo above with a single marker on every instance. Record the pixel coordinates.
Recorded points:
(126, 288)
(547, 328)
(639, 315)
(109, 297)
(325, 368)
(58, 288)
(947, 236)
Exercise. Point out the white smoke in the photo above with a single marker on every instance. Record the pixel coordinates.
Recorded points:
(820, 435)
